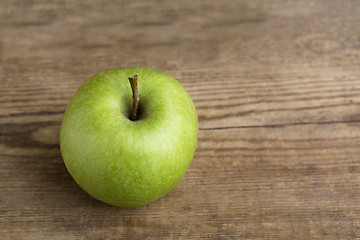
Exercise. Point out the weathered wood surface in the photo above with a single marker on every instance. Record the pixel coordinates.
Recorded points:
(277, 88)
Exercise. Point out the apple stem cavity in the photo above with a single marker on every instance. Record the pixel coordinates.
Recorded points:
(134, 87)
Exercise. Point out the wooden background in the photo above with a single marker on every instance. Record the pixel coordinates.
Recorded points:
(277, 87)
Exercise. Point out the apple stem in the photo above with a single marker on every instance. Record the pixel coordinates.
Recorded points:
(134, 87)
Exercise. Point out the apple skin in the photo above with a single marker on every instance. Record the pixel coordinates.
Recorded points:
(122, 162)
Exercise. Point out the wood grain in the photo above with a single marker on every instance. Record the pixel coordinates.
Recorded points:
(277, 88)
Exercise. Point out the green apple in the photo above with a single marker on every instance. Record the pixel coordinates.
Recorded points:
(123, 161)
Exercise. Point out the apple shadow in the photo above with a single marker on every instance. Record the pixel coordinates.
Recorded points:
(42, 176)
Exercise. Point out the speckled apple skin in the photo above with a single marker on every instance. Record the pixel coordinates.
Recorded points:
(129, 163)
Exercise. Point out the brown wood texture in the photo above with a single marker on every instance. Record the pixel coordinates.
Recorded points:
(277, 87)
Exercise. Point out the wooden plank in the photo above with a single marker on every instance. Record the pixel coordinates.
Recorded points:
(240, 99)
(296, 180)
